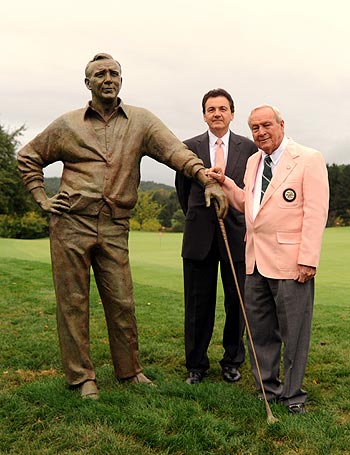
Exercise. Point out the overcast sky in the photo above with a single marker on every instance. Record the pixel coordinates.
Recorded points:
(293, 54)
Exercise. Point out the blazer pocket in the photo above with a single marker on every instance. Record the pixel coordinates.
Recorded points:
(289, 237)
(288, 250)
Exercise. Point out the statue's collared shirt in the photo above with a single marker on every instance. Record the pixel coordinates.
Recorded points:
(102, 161)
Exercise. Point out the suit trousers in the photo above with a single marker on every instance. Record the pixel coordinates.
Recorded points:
(200, 284)
(79, 242)
(280, 312)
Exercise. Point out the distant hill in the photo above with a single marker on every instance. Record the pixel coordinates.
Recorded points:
(151, 186)
(52, 184)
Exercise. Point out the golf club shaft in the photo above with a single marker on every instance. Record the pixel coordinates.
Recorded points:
(270, 417)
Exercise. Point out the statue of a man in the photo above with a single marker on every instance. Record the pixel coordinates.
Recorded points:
(101, 146)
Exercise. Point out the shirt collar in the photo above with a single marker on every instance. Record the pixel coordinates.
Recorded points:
(212, 138)
(120, 108)
(276, 155)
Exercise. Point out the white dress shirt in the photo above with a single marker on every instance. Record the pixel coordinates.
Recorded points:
(275, 157)
(212, 145)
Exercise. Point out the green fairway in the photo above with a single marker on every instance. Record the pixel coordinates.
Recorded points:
(155, 258)
(40, 415)
(30, 250)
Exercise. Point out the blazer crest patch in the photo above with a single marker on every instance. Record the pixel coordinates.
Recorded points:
(289, 195)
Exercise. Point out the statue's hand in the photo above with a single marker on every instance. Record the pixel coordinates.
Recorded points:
(57, 204)
(213, 190)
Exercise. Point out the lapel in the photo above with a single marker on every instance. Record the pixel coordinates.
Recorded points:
(203, 149)
(284, 168)
(234, 151)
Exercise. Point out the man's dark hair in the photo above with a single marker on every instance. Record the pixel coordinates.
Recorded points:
(101, 56)
(214, 94)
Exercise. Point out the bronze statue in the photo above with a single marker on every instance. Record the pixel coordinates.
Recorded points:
(101, 146)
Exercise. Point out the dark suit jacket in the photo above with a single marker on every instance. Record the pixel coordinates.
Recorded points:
(201, 222)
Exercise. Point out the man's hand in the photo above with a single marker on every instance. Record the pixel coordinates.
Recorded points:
(305, 273)
(216, 173)
(213, 190)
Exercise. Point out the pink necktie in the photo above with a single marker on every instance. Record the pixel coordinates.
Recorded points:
(219, 155)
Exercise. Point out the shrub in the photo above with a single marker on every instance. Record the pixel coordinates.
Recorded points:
(134, 225)
(151, 225)
(178, 221)
(29, 226)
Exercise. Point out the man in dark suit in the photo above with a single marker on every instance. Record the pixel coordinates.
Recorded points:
(203, 247)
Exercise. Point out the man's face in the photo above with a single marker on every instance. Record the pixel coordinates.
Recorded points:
(267, 131)
(218, 115)
(104, 80)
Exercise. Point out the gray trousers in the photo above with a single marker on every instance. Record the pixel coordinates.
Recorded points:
(79, 243)
(280, 312)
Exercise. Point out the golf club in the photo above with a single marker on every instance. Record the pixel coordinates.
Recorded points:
(270, 416)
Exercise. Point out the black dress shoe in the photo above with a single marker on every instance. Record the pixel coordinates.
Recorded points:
(231, 374)
(297, 408)
(194, 377)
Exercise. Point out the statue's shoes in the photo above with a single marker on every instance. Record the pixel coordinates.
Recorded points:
(140, 379)
(89, 390)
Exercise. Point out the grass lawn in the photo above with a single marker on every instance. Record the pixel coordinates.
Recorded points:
(40, 415)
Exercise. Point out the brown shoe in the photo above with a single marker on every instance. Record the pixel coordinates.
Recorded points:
(140, 379)
(89, 390)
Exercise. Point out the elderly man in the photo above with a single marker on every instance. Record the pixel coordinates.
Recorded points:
(101, 147)
(285, 201)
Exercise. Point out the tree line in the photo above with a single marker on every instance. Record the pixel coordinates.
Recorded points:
(157, 207)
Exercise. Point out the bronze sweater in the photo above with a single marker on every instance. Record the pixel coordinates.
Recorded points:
(103, 171)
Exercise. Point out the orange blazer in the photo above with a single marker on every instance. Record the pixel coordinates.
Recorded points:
(289, 226)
